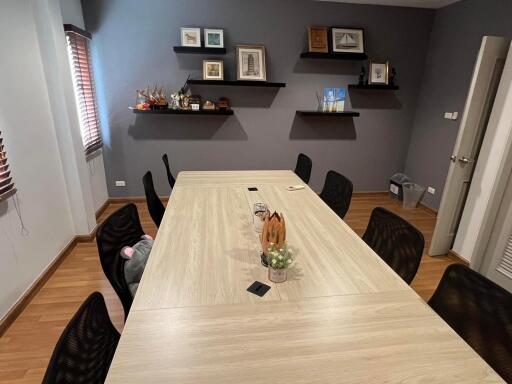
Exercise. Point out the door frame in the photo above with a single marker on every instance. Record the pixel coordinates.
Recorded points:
(477, 105)
(495, 154)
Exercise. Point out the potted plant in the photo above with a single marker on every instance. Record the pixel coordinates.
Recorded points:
(279, 259)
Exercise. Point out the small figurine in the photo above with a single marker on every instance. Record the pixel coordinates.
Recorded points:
(223, 104)
(362, 76)
(195, 102)
(209, 105)
(392, 76)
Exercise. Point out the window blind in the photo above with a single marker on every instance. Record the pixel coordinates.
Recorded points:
(83, 82)
(6, 184)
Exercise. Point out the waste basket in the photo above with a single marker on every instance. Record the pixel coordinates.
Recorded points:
(412, 194)
(395, 185)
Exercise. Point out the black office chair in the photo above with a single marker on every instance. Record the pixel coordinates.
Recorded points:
(122, 228)
(303, 167)
(480, 312)
(396, 241)
(155, 206)
(86, 347)
(170, 177)
(337, 193)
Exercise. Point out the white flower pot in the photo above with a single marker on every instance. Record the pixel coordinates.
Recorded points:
(277, 275)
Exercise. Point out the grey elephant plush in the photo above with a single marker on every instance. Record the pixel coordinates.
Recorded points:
(136, 258)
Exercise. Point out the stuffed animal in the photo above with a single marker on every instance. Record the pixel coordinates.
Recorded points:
(136, 258)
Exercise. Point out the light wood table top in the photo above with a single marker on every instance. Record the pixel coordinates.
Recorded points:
(343, 316)
(207, 251)
(236, 178)
(368, 338)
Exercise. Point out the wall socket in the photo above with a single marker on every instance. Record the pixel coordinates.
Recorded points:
(120, 183)
(431, 190)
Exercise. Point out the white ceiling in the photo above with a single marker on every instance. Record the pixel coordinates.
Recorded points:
(401, 3)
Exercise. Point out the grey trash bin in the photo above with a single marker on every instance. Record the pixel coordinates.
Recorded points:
(412, 194)
(395, 185)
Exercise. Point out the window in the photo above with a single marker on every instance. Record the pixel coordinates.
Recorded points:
(6, 184)
(83, 82)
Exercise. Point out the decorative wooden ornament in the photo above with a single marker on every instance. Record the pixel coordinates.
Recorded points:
(274, 231)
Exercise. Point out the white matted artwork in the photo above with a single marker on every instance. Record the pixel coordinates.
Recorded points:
(251, 62)
(214, 38)
(190, 37)
(347, 40)
(213, 70)
(379, 73)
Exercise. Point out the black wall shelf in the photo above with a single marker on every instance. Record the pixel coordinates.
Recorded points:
(203, 50)
(237, 83)
(228, 112)
(383, 87)
(334, 56)
(331, 114)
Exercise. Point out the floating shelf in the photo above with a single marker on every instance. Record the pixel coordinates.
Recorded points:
(203, 50)
(334, 56)
(228, 112)
(384, 87)
(320, 113)
(237, 83)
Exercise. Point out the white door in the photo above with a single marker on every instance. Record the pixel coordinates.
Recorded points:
(497, 260)
(482, 92)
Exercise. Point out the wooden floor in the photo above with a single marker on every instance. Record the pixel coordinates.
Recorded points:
(27, 345)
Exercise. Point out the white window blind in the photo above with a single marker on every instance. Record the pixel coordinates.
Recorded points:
(83, 81)
(6, 184)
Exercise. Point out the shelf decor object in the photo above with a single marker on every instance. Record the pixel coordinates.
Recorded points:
(188, 112)
(334, 56)
(250, 63)
(213, 38)
(328, 114)
(347, 40)
(318, 39)
(383, 87)
(190, 37)
(379, 73)
(237, 83)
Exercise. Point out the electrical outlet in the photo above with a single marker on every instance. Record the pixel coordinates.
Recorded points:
(431, 190)
(120, 183)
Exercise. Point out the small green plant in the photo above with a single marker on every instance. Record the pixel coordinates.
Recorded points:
(279, 258)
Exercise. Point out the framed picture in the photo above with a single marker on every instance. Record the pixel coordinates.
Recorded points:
(250, 63)
(214, 38)
(347, 40)
(190, 37)
(318, 39)
(379, 73)
(334, 100)
(213, 70)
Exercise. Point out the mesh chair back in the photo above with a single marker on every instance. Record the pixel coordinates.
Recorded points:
(303, 167)
(86, 347)
(480, 312)
(396, 241)
(120, 229)
(170, 177)
(155, 205)
(337, 193)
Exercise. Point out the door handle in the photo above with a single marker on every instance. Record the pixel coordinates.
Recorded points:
(453, 158)
(465, 160)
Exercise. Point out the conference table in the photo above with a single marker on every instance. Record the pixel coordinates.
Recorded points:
(343, 316)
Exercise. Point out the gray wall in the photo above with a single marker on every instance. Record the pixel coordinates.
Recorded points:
(456, 37)
(132, 47)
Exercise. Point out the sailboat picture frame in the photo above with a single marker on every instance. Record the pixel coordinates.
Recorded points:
(347, 40)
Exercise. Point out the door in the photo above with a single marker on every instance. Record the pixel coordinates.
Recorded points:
(482, 92)
(497, 260)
